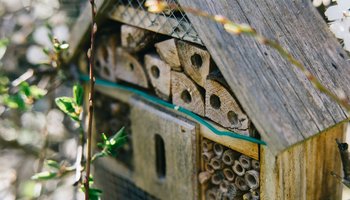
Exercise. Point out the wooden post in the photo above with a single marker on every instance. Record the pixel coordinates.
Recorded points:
(221, 107)
(195, 61)
(136, 39)
(129, 69)
(304, 170)
(186, 94)
(167, 50)
(160, 75)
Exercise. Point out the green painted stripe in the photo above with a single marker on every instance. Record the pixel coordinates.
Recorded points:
(174, 107)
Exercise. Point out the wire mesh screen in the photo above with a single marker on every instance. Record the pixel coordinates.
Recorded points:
(173, 22)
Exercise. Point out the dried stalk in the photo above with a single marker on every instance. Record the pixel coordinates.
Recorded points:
(158, 6)
(91, 97)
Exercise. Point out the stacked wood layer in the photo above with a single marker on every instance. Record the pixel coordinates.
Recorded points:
(176, 71)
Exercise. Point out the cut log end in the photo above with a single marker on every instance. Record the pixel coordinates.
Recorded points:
(160, 75)
(168, 52)
(221, 107)
(186, 94)
(135, 39)
(195, 61)
(129, 69)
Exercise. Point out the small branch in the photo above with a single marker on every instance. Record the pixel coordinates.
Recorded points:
(91, 98)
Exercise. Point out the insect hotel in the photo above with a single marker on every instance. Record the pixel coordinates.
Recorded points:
(210, 115)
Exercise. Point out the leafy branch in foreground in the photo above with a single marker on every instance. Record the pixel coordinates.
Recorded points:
(158, 6)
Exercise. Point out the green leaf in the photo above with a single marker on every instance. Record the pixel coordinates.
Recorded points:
(53, 163)
(94, 193)
(67, 105)
(25, 89)
(3, 47)
(14, 101)
(78, 94)
(44, 176)
(37, 92)
(46, 51)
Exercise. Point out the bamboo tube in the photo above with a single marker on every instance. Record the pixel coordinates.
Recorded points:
(168, 52)
(218, 149)
(255, 195)
(207, 145)
(241, 184)
(224, 185)
(186, 93)
(232, 190)
(209, 168)
(229, 175)
(207, 156)
(217, 178)
(195, 61)
(228, 157)
(256, 165)
(216, 163)
(245, 161)
(238, 168)
(159, 74)
(252, 179)
(211, 194)
(247, 196)
(203, 177)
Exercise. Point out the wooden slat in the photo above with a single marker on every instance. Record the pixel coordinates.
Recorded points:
(180, 150)
(281, 102)
(303, 171)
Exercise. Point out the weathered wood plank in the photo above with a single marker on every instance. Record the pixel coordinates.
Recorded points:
(82, 26)
(169, 172)
(281, 102)
(304, 170)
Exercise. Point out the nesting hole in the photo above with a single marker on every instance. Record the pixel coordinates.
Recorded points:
(232, 117)
(226, 159)
(155, 71)
(186, 96)
(160, 156)
(196, 60)
(239, 168)
(251, 179)
(106, 71)
(215, 101)
(131, 67)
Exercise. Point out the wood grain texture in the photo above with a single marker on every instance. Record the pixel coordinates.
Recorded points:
(185, 93)
(167, 50)
(304, 170)
(135, 39)
(81, 28)
(129, 69)
(181, 153)
(105, 58)
(221, 107)
(282, 103)
(159, 74)
(195, 61)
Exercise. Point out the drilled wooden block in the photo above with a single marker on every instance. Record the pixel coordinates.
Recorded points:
(165, 152)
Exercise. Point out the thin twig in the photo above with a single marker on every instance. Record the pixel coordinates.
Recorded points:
(91, 98)
(158, 6)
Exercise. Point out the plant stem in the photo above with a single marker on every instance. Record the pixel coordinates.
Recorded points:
(91, 98)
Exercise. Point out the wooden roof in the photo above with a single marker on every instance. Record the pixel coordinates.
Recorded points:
(282, 103)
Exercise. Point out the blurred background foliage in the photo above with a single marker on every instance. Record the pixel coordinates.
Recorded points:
(26, 73)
